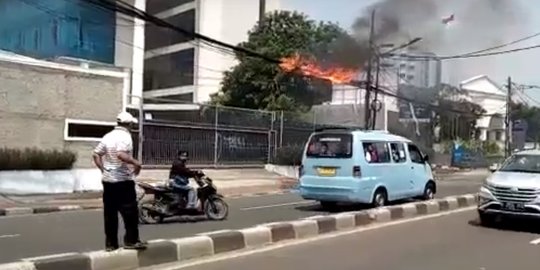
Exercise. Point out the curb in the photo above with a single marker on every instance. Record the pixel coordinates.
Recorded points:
(23, 211)
(213, 243)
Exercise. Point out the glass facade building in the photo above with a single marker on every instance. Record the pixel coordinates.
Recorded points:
(52, 28)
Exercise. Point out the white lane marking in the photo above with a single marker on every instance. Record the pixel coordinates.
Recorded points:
(51, 213)
(218, 258)
(9, 236)
(276, 205)
(214, 232)
(535, 242)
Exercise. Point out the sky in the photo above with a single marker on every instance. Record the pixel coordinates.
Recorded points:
(521, 66)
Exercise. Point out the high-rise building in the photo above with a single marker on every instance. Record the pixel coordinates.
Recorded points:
(419, 72)
(177, 67)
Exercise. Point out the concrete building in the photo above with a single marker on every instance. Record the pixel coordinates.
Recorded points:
(164, 64)
(417, 72)
(58, 106)
(180, 68)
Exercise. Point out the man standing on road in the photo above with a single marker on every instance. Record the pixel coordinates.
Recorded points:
(113, 157)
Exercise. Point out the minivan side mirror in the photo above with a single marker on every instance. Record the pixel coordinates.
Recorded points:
(426, 158)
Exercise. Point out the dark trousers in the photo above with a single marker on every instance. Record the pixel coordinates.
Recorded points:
(120, 198)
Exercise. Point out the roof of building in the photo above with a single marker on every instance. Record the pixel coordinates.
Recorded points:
(469, 85)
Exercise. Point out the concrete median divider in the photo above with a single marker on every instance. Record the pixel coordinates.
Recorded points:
(208, 244)
(20, 211)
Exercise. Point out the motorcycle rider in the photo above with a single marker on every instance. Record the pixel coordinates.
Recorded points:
(180, 175)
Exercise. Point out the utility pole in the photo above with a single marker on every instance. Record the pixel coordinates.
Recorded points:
(375, 104)
(262, 9)
(507, 120)
(367, 109)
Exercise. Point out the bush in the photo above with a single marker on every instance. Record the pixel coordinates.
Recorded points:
(491, 148)
(35, 159)
(290, 155)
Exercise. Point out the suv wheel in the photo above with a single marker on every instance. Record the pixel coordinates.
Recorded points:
(487, 220)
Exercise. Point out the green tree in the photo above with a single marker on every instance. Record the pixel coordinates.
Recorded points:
(258, 84)
(456, 115)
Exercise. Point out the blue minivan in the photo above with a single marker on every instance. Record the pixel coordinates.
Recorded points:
(369, 167)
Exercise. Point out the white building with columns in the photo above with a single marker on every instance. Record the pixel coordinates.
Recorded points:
(488, 94)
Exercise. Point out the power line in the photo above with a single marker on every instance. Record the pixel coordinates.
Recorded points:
(424, 58)
(127, 9)
(504, 45)
(67, 17)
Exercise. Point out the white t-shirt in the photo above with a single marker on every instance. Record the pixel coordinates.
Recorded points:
(118, 140)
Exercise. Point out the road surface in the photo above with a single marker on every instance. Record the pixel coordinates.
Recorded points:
(37, 235)
(444, 243)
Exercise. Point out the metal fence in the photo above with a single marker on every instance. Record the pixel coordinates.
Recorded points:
(224, 136)
(220, 136)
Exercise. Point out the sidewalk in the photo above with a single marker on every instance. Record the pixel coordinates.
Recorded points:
(472, 174)
(227, 187)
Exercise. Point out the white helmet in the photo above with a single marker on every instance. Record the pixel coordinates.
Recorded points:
(126, 118)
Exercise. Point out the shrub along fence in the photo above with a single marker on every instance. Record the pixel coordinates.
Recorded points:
(36, 159)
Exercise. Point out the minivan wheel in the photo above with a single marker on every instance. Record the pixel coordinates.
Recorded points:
(380, 198)
(429, 192)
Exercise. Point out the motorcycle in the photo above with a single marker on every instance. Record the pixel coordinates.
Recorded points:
(161, 206)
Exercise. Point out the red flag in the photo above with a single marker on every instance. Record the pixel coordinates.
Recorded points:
(447, 20)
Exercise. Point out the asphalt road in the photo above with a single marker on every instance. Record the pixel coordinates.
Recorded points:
(448, 242)
(37, 235)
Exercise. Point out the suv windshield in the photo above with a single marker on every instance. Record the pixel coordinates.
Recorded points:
(330, 146)
(522, 163)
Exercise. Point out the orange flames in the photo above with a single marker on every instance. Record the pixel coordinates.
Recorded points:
(308, 67)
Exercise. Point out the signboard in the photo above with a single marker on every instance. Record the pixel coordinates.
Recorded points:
(519, 134)
(409, 112)
(413, 111)
(465, 158)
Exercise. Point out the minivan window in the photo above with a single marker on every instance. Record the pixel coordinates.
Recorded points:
(328, 145)
(416, 155)
(376, 152)
(522, 163)
(398, 152)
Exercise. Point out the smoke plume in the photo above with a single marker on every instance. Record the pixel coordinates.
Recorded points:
(478, 24)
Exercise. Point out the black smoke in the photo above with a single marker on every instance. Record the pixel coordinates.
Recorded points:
(478, 24)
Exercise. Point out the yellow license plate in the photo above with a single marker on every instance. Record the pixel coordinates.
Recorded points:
(326, 171)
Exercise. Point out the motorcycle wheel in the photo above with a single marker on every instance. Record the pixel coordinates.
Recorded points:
(146, 216)
(216, 208)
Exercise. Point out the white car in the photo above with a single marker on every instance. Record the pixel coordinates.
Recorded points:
(513, 190)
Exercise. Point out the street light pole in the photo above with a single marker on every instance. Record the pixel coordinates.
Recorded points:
(375, 109)
(262, 9)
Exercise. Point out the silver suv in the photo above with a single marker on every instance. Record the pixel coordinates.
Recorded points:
(513, 190)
